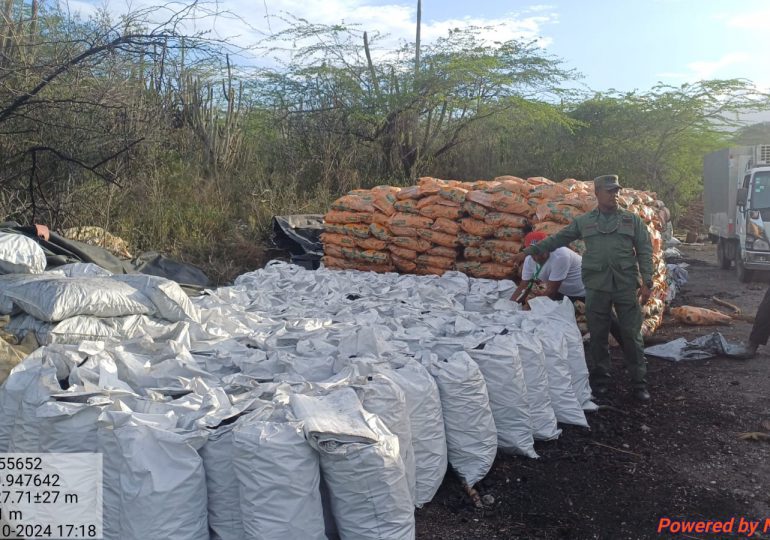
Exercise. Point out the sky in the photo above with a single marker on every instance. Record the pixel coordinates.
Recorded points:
(616, 44)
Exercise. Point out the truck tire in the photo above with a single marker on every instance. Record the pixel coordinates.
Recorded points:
(744, 275)
(724, 261)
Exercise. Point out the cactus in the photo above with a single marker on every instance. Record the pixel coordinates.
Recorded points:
(217, 128)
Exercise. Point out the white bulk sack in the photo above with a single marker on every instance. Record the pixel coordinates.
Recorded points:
(80, 269)
(382, 396)
(70, 426)
(426, 423)
(154, 482)
(224, 501)
(7, 281)
(500, 364)
(565, 404)
(278, 478)
(471, 434)
(561, 317)
(57, 298)
(541, 411)
(142, 367)
(170, 300)
(222, 488)
(11, 393)
(361, 464)
(25, 436)
(20, 255)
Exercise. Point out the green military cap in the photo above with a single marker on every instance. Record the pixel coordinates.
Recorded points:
(607, 182)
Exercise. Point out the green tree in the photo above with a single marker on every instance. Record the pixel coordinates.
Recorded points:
(77, 98)
(754, 134)
(656, 140)
(409, 110)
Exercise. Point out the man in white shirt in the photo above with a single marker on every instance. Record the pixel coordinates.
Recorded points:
(559, 270)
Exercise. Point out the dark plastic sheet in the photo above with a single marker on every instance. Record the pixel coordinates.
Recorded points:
(701, 348)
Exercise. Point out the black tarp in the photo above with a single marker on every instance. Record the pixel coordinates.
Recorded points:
(157, 264)
(60, 251)
(299, 234)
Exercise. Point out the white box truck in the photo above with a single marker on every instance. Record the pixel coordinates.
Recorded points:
(736, 197)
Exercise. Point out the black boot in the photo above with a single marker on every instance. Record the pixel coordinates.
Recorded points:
(641, 394)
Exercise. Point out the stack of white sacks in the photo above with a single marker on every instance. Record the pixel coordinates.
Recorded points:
(293, 404)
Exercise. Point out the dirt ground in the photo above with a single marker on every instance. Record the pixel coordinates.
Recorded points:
(678, 457)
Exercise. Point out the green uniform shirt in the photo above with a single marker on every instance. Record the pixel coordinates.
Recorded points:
(618, 249)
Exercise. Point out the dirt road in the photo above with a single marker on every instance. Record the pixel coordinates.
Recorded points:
(678, 457)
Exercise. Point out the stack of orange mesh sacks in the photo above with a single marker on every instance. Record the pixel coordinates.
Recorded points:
(497, 214)
(472, 227)
(435, 226)
(350, 235)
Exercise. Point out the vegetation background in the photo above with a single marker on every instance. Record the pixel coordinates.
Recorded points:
(175, 141)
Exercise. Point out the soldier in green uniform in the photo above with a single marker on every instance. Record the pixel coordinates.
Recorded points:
(617, 272)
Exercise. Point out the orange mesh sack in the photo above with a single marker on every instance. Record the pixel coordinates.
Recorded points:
(408, 205)
(410, 221)
(548, 227)
(512, 204)
(429, 186)
(429, 200)
(477, 227)
(380, 218)
(502, 245)
(699, 316)
(403, 231)
(356, 229)
(367, 256)
(404, 265)
(436, 199)
(475, 210)
(380, 232)
(385, 203)
(438, 238)
(411, 192)
(341, 240)
(355, 203)
(333, 262)
(440, 210)
(477, 254)
(455, 194)
(408, 242)
(503, 257)
(445, 225)
(559, 213)
(334, 250)
(549, 191)
(485, 270)
(509, 233)
(435, 261)
(403, 253)
(469, 240)
(336, 216)
(372, 244)
(429, 271)
(481, 197)
(512, 184)
(501, 219)
(442, 251)
(539, 181)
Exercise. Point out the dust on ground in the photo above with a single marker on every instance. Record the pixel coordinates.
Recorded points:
(678, 457)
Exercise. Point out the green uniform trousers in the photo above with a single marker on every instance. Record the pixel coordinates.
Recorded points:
(599, 306)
